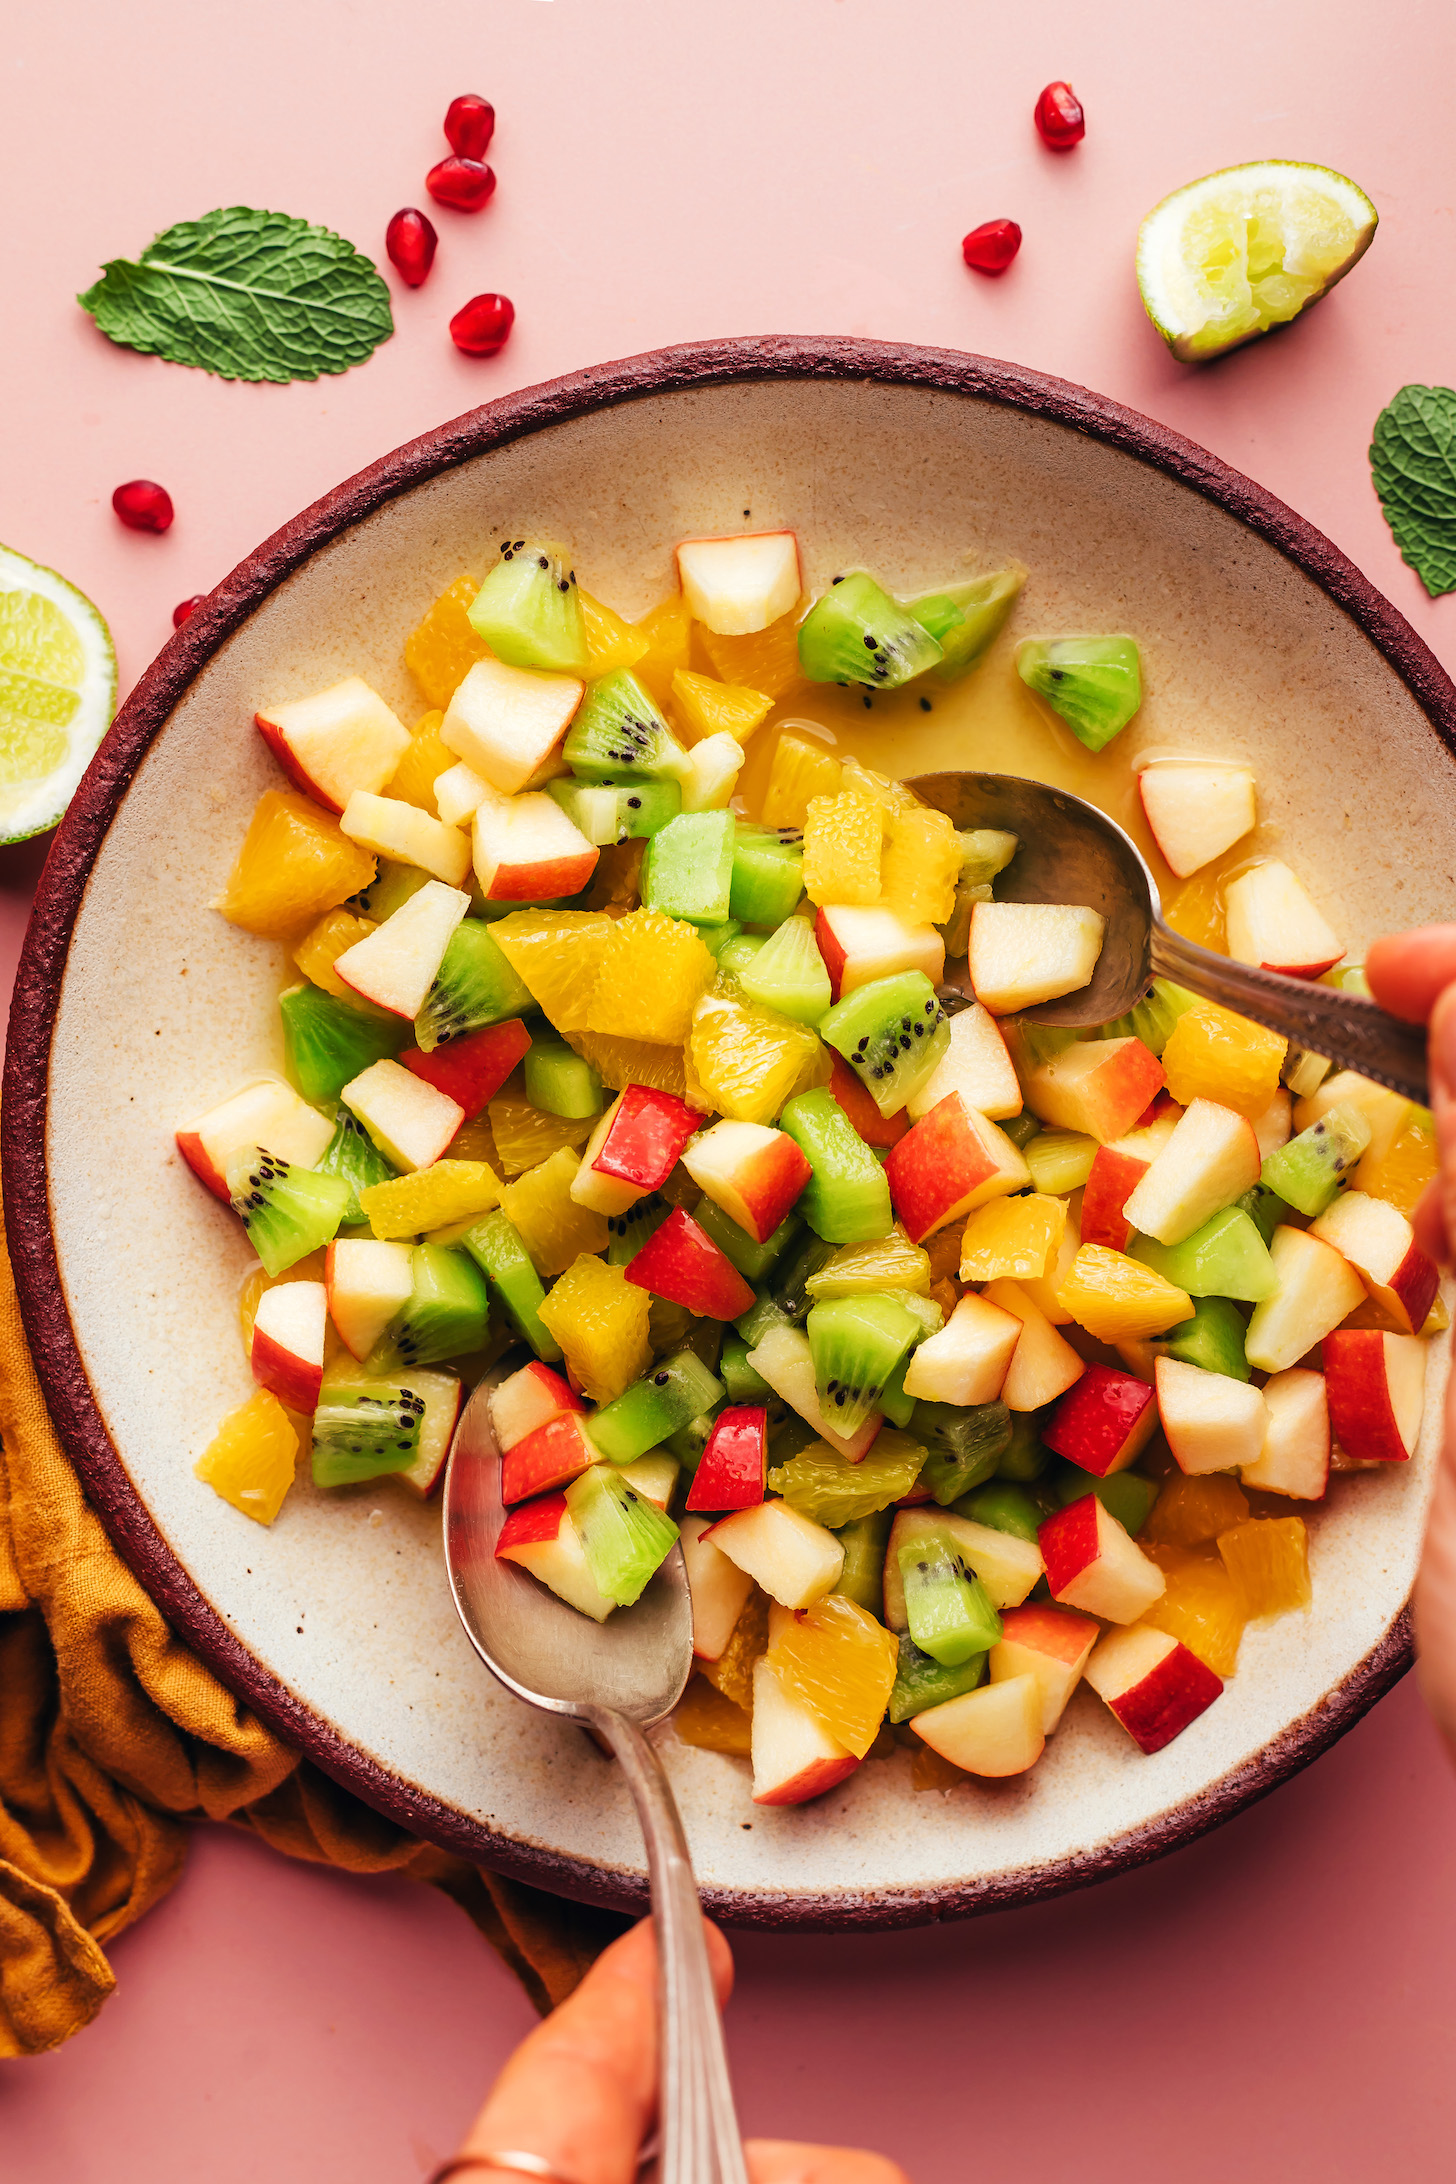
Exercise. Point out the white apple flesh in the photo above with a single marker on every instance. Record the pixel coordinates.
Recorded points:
(1051, 1645)
(1318, 1288)
(1295, 1456)
(408, 835)
(994, 1731)
(341, 739)
(266, 1112)
(794, 1756)
(717, 1588)
(1212, 1422)
(367, 1283)
(967, 1361)
(738, 586)
(976, 1065)
(506, 722)
(1196, 811)
(396, 965)
(1043, 1365)
(1025, 952)
(1272, 922)
(795, 1560)
(410, 1121)
(287, 1349)
(1153, 1684)
(1211, 1159)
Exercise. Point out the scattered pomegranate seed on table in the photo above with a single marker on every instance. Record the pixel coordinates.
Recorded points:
(185, 607)
(462, 184)
(410, 241)
(143, 505)
(1059, 118)
(991, 247)
(480, 327)
(470, 125)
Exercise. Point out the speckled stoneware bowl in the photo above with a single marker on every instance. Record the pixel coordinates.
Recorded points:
(137, 1007)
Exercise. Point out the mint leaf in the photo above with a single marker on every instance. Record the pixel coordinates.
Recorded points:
(1413, 463)
(247, 295)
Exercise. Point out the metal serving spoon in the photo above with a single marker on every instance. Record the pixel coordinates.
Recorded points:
(618, 1678)
(1072, 852)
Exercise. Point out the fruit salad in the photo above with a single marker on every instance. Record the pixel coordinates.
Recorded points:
(967, 1360)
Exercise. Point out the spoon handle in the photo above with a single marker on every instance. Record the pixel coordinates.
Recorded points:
(1352, 1031)
(700, 2141)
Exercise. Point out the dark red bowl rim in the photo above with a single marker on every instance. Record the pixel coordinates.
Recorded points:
(37, 991)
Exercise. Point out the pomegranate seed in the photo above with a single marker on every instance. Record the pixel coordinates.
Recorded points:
(991, 247)
(481, 326)
(1059, 118)
(186, 607)
(470, 125)
(463, 184)
(410, 240)
(143, 506)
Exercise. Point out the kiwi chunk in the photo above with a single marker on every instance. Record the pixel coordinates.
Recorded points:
(496, 1247)
(628, 1232)
(363, 1434)
(619, 735)
(1093, 683)
(966, 619)
(327, 1043)
(474, 986)
(862, 1579)
(922, 1682)
(963, 1446)
(1151, 1019)
(352, 1155)
(947, 1608)
(288, 1212)
(858, 634)
(847, 1199)
(856, 1344)
(623, 1536)
(447, 1313)
(528, 610)
(892, 1033)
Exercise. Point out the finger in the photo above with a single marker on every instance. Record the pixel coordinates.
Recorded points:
(1435, 1595)
(1408, 970)
(781, 2161)
(581, 2090)
(1430, 1224)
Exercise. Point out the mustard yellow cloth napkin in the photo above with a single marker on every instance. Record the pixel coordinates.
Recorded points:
(113, 1735)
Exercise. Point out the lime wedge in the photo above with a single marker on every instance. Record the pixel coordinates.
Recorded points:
(1226, 258)
(57, 693)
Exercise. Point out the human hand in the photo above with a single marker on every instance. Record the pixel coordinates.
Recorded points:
(581, 2090)
(1414, 976)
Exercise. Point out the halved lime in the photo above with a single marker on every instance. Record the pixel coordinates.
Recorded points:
(1224, 259)
(57, 693)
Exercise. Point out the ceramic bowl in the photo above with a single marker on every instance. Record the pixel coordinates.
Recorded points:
(137, 1007)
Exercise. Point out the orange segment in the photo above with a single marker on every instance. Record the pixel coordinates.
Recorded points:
(1197, 911)
(553, 1228)
(1200, 1606)
(442, 647)
(557, 953)
(668, 630)
(425, 759)
(745, 1062)
(843, 841)
(323, 944)
(653, 969)
(920, 866)
(1016, 1237)
(704, 707)
(1212, 1054)
(293, 865)
(800, 770)
(732, 1672)
(610, 642)
(600, 1320)
(767, 661)
(1400, 1176)
(703, 1716)
(250, 1461)
(452, 1190)
(524, 1135)
(839, 1662)
(1117, 1299)
(1268, 1560)
(1189, 1511)
(620, 1062)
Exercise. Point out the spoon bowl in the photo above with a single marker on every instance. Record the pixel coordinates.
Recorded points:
(1070, 852)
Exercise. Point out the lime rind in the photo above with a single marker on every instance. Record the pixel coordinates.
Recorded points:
(57, 693)
(1240, 251)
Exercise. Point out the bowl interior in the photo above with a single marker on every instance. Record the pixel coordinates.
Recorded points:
(164, 1007)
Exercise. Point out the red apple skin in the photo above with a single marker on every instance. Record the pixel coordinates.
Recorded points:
(773, 1183)
(189, 1145)
(682, 1263)
(272, 735)
(1060, 1633)
(542, 882)
(937, 1163)
(811, 1781)
(1068, 1543)
(645, 1141)
(873, 1127)
(285, 1374)
(1362, 1419)
(1302, 970)
(834, 961)
(528, 1525)
(1103, 1422)
(1163, 1104)
(1172, 1695)
(733, 1467)
(535, 1395)
(472, 1070)
(552, 1456)
(1114, 1178)
(1412, 1288)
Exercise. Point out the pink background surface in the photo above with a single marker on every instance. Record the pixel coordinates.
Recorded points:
(1276, 2002)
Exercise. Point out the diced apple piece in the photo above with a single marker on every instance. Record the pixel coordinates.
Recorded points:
(527, 850)
(541, 1538)
(994, 1731)
(1092, 1564)
(267, 1113)
(1043, 1364)
(1115, 1176)
(794, 1756)
(459, 792)
(681, 1263)
(737, 586)
(1098, 1087)
(733, 1468)
(551, 1457)
(1272, 1128)
(408, 835)
(1272, 922)
(860, 944)
(977, 1066)
(713, 766)
(1104, 1422)
(1386, 1112)
(1025, 952)
(1376, 1384)
(634, 1149)
(1318, 1288)
(795, 1560)
(1212, 1421)
(951, 1161)
(505, 722)
(967, 1361)
(527, 1400)
(784, 1360)
(395, 965)
(1007, 1565)
(409, 1120)
(718, 1589)
(1051, 1646)
(1381, 1245)
(287, 1349)
(1196, 811)
(1152, 1683)
(1211, 1159)
(367, 1283)
(753, 1173)
(1295, 1457)
(341, 739)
